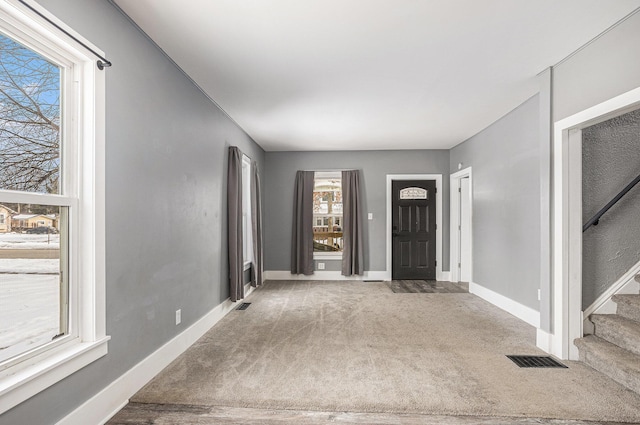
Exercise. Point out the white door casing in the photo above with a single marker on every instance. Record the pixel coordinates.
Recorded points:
(456, 239)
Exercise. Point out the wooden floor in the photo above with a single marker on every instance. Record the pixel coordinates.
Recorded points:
(163, 414)
(427, 287)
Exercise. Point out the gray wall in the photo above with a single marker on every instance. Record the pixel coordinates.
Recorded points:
(605, 68)
(610, 160)
(375, 165)
(506, 203)
(166, 153)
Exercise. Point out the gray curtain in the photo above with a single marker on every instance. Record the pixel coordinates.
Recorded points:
(302, 233)
(234, 224)
(256, 226)
(352, 255)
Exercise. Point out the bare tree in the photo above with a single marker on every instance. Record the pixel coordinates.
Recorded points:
(29, 120)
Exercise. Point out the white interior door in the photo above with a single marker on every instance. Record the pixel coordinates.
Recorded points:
(465, 230)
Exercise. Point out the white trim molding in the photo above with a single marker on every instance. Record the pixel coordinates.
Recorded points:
(438, 180)
(626, 284)
(454, 222)
(101, 407)
(521, 311)
(567, 219)
(323, 275)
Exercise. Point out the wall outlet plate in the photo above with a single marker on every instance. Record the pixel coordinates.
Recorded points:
(178, 316)
(320, 266)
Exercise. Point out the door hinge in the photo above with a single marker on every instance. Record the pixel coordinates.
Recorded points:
(436, 263)
(459, 265)
(460, 189)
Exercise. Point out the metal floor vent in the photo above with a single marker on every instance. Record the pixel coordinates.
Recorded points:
(536, 361)
(243, 306)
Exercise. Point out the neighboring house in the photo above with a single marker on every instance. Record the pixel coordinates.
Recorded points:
(5, 218)
(28, 221)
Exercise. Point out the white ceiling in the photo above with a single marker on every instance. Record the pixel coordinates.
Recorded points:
(369, 74)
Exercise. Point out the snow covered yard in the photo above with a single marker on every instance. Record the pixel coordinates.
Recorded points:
(29, 293)
(27, 241)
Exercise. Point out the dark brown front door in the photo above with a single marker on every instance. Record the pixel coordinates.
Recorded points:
(413, 229)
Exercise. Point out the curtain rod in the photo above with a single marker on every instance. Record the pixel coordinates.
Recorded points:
(102, 63)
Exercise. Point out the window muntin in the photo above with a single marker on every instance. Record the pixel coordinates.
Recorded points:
(327, 214)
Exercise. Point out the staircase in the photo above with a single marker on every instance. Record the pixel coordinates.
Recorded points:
(614, 348)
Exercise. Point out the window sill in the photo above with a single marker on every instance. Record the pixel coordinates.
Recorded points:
(327, 256)
(27, 382)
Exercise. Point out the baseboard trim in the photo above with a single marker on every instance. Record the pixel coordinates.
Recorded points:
(544, 340)
(522, 312)
(323, 275)
(104, 405)
(445, 277)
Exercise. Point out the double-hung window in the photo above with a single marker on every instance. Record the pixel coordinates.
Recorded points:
(52, 289)
(327, 215)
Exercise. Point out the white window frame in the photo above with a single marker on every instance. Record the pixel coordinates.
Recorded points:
(247, 230)
(328, 175)
(82, 191)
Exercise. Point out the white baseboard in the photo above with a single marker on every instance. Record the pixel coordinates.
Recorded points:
(323, 275)
(521, 311)
(101, 407)
(544, 340)
(604, 305)
(445, 277)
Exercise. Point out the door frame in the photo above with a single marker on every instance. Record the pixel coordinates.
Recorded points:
(454, 223)
(567, 219)
(438, 180)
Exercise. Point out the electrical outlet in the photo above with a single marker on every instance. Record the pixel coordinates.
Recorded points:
(178, 316)
(539, 297)
(370, 216)
(320, 266)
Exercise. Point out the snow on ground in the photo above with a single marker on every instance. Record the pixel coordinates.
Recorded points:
(29, 266)
(27, 241)
(29, 311)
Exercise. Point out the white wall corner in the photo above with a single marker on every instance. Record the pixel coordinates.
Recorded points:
(101, 407)
(522, 312)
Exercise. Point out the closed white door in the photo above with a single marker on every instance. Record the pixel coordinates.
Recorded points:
(465, 230)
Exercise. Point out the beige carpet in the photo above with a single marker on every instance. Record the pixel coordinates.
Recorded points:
(359, 347)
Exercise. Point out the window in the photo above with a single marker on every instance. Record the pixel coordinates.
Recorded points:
(1, 218)
(327, 214)
(52, 300)
(247, 230)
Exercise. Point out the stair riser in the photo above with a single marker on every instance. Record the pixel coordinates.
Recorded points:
(630, 381)
(629, 311)
(619, 338)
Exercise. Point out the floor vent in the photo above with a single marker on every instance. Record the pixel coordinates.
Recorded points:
(536, 361)
(243, 306)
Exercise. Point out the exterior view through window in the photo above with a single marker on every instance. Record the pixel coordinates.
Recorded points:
(33, 238)
(327, 214)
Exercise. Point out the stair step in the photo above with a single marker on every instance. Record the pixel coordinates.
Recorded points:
(618, 330)
(628, 306)
(617, 363)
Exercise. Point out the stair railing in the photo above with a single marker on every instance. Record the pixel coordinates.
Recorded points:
(596, 218)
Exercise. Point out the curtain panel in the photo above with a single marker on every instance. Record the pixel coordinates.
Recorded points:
(256, 226)
(302, 232)
(234, 224)
(353, 252)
